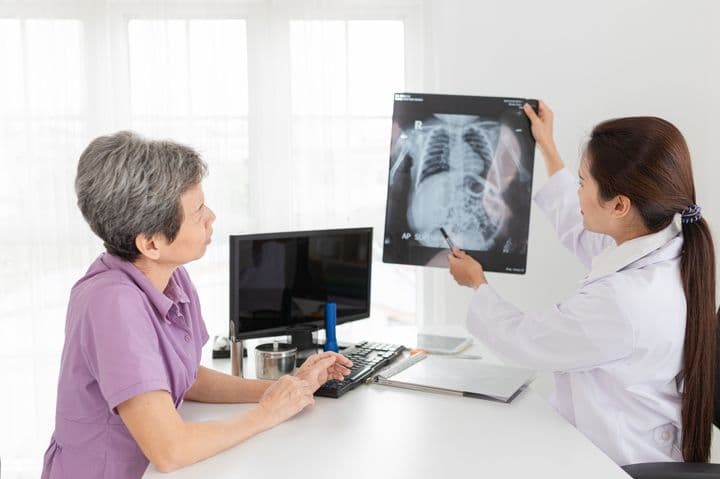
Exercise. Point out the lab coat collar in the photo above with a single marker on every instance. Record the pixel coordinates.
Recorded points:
(636, 251)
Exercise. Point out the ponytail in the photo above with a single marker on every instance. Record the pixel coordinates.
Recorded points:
(647, 160)
(697, 269)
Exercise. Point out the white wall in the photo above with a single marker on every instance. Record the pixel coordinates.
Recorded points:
(589, 61)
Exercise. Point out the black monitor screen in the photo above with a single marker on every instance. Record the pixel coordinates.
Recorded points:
(281, 280)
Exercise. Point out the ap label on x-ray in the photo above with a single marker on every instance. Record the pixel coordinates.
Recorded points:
(465, 164)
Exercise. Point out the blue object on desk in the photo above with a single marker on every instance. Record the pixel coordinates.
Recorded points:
(330, 317)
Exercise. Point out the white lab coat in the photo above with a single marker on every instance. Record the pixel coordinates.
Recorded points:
(615, 346)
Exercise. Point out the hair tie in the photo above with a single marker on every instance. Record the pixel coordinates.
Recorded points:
(691, 214)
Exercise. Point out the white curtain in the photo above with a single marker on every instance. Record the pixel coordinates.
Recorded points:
(288, 102)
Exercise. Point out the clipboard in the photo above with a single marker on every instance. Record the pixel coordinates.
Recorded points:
(460, 377)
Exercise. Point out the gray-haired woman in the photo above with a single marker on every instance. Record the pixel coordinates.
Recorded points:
(134, 330)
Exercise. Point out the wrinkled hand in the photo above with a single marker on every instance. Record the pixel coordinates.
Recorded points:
(465, 270)
(319, 368)
(286, 397)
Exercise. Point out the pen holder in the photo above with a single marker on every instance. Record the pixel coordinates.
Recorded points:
(330, 317)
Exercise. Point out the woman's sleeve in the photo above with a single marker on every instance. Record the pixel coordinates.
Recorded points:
(558, 200)
(121, 346)
(581, 333)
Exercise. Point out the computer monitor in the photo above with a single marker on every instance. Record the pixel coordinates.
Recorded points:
(280, 282)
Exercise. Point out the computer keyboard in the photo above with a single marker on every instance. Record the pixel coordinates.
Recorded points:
(367, 358)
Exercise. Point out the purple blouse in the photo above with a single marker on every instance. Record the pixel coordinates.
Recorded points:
(123, 337)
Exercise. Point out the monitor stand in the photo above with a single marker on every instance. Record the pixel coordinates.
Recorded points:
(301, 337)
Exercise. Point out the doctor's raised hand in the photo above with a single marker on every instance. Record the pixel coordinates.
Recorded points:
(465, 269)
(541, 126)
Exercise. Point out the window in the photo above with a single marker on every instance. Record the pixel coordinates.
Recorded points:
(343, 76)
(42, 112)
(43, 116)
(192, 86)
(292, 117)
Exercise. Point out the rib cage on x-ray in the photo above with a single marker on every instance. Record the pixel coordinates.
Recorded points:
(460, 167)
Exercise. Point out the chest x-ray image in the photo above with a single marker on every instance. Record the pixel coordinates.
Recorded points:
(464, 164)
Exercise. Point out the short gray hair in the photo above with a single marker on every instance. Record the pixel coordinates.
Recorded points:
(127, 185)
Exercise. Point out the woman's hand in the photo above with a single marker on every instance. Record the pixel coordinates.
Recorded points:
(541, 125)
(286, 397)
(465, 270)
(319, 368)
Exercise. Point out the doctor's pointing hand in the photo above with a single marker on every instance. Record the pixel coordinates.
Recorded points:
(465, 269)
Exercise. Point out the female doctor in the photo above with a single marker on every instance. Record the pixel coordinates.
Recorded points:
(633, 350)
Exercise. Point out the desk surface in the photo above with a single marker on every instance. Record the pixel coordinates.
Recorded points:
(380, 431)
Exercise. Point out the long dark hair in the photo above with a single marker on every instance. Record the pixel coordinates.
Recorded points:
(647, 160)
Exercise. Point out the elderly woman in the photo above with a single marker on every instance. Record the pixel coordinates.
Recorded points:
(134, 329)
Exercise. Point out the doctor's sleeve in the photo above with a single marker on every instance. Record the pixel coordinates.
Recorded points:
(581, 333)
(558, 200)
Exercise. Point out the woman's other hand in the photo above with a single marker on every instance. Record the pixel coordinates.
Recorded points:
(286, 397)
(319, 368)
(541, 125)
(465, 270)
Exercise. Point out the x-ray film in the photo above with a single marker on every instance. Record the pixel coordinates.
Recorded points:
(465, 164)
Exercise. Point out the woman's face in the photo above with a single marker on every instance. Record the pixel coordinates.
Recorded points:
(596, 215)
(195, 231)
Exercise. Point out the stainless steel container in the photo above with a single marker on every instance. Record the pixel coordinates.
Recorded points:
(273, 360)
(236, 357)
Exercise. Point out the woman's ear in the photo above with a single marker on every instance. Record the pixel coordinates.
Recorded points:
(621, 206)
(147, 245)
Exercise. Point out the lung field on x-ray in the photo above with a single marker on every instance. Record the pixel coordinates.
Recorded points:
(457, 179)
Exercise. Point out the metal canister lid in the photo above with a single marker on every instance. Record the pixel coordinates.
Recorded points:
(276, 349)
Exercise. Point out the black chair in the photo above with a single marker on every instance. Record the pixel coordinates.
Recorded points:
(673, 470)
(683, 470)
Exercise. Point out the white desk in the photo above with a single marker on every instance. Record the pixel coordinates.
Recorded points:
(384, 432)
